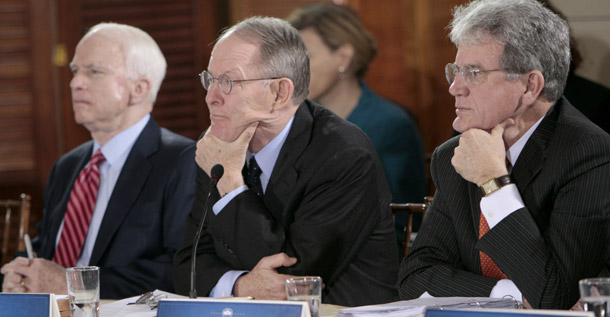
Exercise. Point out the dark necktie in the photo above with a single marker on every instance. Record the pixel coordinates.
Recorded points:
(253, 178)
(79, 212)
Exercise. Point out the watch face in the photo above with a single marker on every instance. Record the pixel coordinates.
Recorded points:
(490, 187)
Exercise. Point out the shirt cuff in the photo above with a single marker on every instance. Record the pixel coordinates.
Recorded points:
(504, 288)
(501, 203)
(224, 287)
(224, 201)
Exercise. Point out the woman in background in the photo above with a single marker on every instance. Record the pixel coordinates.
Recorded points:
(340, 50)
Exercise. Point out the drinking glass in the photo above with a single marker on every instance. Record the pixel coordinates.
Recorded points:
(595, 294)
(84, 290)
(308, 289)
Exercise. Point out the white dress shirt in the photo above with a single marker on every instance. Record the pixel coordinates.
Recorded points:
(502, 203)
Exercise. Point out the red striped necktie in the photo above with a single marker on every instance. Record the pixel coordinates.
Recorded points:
(488, 266)
(79, 212)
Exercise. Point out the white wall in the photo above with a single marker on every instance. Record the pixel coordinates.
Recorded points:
(590, 23)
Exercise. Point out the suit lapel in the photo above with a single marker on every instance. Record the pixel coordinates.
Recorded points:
(128, 187)
(285, 175)
(534, 153)
(60, 209)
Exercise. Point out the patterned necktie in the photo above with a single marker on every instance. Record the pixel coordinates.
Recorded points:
(488, 266)
(79, 212)
(253, 178)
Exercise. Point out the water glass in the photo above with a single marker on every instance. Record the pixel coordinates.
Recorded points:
(308, 289)
(595, 294)
(84, 290)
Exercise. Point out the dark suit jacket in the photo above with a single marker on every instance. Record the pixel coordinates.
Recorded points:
(327, 204)
(561, 236)
(145, 219)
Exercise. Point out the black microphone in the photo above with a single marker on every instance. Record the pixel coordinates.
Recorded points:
(217, 171)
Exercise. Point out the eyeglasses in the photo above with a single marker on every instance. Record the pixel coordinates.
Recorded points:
(225, 83)
(150, 299)
(471, 76)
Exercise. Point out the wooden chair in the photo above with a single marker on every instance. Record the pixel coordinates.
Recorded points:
(410, 209)
(11, 211)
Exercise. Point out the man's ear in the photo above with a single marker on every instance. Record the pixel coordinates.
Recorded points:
(139, 90)
(282, 90)
(533, 87)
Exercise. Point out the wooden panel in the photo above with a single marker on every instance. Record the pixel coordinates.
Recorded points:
(16, 138)
(28, 139)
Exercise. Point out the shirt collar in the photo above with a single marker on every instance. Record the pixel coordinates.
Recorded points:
(267, 156)
(513, 152)
(116, 150)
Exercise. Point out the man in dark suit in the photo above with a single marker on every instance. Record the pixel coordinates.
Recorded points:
(146, 176)
(320, 206)
(532, 233)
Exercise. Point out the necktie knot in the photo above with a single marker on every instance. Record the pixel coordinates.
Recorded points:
(97, 158)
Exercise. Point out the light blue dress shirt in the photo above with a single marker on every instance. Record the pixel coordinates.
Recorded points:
(115, 152)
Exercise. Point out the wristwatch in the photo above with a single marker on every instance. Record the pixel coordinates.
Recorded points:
(494, 184)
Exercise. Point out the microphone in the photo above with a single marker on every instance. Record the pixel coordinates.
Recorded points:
(216, 174)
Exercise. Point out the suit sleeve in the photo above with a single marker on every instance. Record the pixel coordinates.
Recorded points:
(436, 262)
(335, 215)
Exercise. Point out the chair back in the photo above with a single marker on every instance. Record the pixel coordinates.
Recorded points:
(410, 209)
(14, 223)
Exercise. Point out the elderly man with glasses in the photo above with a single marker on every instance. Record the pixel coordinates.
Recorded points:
(303, 191)
(521, 205)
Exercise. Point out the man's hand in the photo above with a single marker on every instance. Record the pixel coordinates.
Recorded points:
(232, 155)
(14, 282)
(263, 282)
(34, 276)
(481, 155)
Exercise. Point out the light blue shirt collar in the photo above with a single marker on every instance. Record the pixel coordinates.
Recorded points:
(267, 156)
(118, 148)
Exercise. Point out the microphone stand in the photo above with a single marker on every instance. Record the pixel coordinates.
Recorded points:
(216, 172)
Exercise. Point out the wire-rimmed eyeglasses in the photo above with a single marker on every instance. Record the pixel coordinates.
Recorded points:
(225, 83)
(470, 75)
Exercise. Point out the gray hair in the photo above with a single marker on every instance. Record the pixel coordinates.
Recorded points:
(143, 57)
(534, 38)
(282, 51)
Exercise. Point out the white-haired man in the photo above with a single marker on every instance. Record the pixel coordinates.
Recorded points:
(119, 201)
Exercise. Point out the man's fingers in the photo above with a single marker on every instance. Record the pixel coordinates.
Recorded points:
(17, 262)
(500, 127)
(248, 133)
(277, 260)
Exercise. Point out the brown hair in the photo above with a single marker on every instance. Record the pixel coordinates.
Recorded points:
(338, 25)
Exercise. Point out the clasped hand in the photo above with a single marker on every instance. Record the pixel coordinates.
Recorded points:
(37, 275)
(264, 282)
(480, 155)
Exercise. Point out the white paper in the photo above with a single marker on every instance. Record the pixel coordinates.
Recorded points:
(417, 307)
